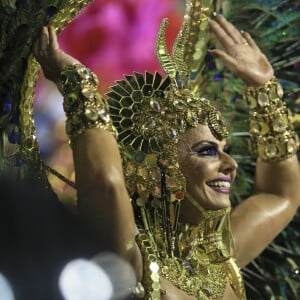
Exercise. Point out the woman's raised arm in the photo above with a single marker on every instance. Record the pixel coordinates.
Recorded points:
(259, 219)
(103, 201)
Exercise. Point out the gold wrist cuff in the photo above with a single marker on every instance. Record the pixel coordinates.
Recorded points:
(275, 148)
(266, 96)
(271, 123)
(83, 104)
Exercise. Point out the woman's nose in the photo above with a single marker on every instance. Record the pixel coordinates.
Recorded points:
(228, 164)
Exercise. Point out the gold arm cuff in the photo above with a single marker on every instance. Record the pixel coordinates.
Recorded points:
(83, 104)
(272, 133)
(275, 148)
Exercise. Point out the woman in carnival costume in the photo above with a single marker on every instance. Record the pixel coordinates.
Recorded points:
(153, 157)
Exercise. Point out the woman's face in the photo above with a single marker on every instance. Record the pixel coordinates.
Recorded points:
(208, 169)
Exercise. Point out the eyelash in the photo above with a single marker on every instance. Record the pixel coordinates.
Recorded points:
(207, 151)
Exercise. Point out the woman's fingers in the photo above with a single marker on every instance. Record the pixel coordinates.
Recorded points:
(231, 31)
(41, 45)
(228, 60)
(46, 49)
(53, 43)
(226, 41)
(228, 35)
(250, 41)
(44, 40)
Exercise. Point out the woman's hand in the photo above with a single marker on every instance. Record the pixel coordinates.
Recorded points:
(241, 54)
(47, 52)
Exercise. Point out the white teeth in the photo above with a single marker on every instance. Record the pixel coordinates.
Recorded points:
(222, 184)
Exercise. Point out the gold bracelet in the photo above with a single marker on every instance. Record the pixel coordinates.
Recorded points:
(272, 133)
(83, 104)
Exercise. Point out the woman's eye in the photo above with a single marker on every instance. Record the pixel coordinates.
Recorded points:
(207, 151)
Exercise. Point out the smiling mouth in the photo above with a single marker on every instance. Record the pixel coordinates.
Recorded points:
(220, 186)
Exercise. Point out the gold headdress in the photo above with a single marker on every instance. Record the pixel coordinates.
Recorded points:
(150, 112)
